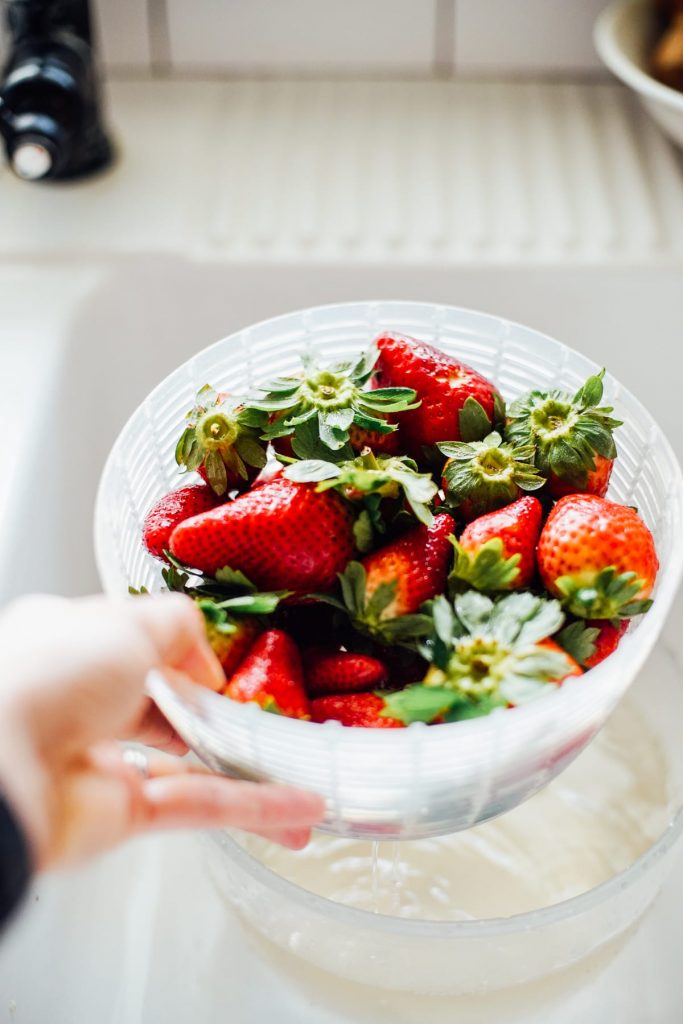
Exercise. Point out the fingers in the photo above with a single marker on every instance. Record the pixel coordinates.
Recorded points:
(155, 731)
(176, 627)
(207, 801)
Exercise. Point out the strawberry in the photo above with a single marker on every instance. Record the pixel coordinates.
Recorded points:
(331, 672)
(484, 656)
(174, 508)
(383, 593)
(271, 676)
(323, 411)
(498, 550)
(283, 535)
(591, 641)
(374, 481)
(572, 436)
(596, 480)
(360, 709)
(607, 640)
(231, 638)
(482, 476)
(385, 444)
(221, 443)
(599, 557)
(456, 402)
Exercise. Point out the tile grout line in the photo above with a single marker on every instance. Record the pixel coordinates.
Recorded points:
(444, 38)
(159, 37)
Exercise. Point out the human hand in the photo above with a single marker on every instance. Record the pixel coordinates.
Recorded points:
(71, 681)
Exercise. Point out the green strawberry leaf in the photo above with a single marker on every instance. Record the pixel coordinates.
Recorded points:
(234, 578)
(312, 471)
(255, 604)
(384, 594)
(590, 393)
(578, 641)
(465, 709)
(525, 619)
(473, 421)
(353, 581)
(363, 532)
(474, 610)
(253, 453)
(419, 703)
(306, 444)
(611, 596)
(487, 569)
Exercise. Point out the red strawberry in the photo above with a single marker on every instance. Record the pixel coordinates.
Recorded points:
(596, 480)
(359, 709)
(489, 655)
(221, 443)
(386, 444)
(571, 435)
(333, 672)
(598, 556)
(232, 639)
(271, 676)
(482, 476)
(330, 409)
(444, 385)
(607, 640)
(382, 593)
(417, 562)
(283, 535)
(174, 508)
(498, 550)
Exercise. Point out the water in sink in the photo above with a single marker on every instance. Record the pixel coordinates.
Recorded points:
(588, 825)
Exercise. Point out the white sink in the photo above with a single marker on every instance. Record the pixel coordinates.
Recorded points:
(80, 345)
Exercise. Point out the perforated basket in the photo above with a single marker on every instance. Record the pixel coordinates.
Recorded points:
(423, 780)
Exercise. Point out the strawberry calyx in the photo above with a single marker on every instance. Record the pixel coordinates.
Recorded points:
(607, 594)
(484, 654)
(485, 569)
(369, 478)
(567, 432)
(318, 409)
(371, 615)
(221, 440)
(579, 641)
(487, 474)
(228, 592)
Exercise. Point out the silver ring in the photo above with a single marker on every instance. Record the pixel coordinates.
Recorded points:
(137, 760)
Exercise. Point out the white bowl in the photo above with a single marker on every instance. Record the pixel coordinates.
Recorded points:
(420, 781)
(623, 36)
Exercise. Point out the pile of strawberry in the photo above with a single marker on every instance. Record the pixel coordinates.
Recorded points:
(383, 543)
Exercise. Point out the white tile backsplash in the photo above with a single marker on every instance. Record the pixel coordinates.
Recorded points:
(303, 35)
(123, 33)
(525, 36)
(417, 37)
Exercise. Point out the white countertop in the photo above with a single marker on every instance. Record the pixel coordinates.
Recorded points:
(431, 173)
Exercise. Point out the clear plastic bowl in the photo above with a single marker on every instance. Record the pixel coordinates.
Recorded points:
(476, 956)
(419, 781)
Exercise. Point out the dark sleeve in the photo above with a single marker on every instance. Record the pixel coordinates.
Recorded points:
(15, 862)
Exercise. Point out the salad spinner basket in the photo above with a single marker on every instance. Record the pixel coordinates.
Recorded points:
(420, 781)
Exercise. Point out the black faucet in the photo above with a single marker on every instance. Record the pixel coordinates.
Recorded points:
(50, 104)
